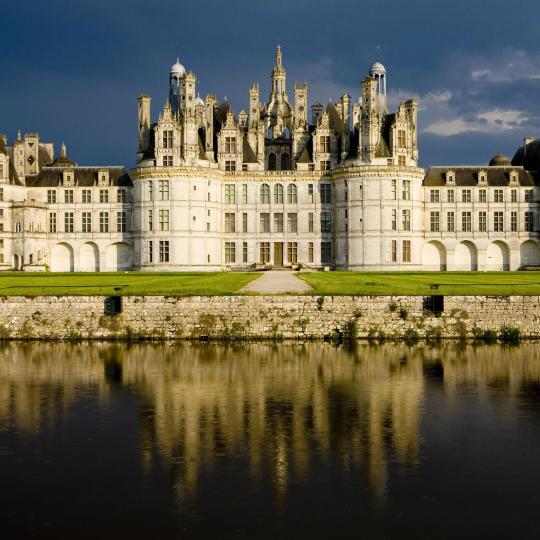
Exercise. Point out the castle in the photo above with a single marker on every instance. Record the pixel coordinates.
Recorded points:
(277, 186)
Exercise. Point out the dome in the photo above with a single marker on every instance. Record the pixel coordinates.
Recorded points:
(499, 161)
(199, 101)
(178, 69)
(377, 69)
(528, 156)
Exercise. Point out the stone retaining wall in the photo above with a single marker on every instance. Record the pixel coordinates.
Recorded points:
(264, 317)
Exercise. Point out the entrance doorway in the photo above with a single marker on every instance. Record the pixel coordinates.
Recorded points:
(278, 254)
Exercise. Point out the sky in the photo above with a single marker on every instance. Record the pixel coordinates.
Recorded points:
(72, 70)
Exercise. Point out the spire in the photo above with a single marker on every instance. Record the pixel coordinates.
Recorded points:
(19, 135)
(63, 150)
(278, 55)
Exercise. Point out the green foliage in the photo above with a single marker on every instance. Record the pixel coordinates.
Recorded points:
(434, 334)
(403, 313)
(411, 336)
(509, 334)
(392, 306)
(486, 336)
(320, 302)
(350, 330)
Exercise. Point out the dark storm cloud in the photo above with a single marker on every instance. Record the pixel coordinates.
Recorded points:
(72, 70)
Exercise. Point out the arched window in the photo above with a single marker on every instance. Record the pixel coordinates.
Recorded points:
(285, 162)
(265, 194)
(292, 194)
(272, 162)
(278, 194)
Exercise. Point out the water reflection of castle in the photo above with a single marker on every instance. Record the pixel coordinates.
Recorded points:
(282, 408)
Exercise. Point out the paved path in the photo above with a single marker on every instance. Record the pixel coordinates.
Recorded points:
(277, 282)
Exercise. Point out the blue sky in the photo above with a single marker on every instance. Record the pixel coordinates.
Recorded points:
(72, 70)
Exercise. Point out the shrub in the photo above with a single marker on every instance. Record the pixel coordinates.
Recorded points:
(434, 334)
(392, 306)
(403, 313)
(320, 302)
(509, 334)
(350, 330)
(411, 336)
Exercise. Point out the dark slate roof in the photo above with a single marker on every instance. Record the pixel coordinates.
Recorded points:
(468, 176)
(43, 157)
(382, 150)
(248, 153)
(354, 142)
(306, 155)
(202, 142)
(84, 176)
(63, 161)
(13, 176)
(528, 156)
(221, 113)
(336, 123)
(3, 149)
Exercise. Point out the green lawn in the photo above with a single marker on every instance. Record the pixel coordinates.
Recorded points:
(132, 283)
(424, 283)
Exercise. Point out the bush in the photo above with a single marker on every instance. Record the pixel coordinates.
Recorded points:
(509, 334)
(392, 306)
(411, 336)
(403, 313)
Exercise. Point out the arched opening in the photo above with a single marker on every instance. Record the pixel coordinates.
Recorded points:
(89, 257)
(16, 262)
(285, 162)
(529, 253)
(466, 257)
(119, 256)
(434, 256)
(62, 258)
(292, 194)
(272, 162)
(497, 257)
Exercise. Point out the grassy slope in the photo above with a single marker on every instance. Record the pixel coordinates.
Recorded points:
(421, 283)
(151, 283)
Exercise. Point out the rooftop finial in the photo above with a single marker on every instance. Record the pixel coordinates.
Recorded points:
(19, 135)
(278, 55)
(63, 150)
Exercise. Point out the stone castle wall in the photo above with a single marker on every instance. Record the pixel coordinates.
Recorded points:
(263, 317)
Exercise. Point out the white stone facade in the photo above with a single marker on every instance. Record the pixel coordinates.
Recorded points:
(270, 187)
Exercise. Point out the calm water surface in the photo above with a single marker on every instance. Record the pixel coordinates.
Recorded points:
(269, 441)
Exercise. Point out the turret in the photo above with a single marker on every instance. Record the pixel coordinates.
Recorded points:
(143, 103)
(300, 103)
(254, 103)
(177, 75)
(279, 76)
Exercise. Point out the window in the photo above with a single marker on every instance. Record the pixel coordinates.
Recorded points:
(163, 190)
(482, 195)
(498, 222)
(150, 220)
(529, 221)
(230, 222)
(51, 196)
(406, 191)
(150, 251)
(244, 193)
(265, 194)
(167, 161)
(68, 195)
(310, 222)
(103, 195)
(326, 252)
(207, 226)
(466, 222)
(285, 162)
(86, 222)
(163, 251)
(121, 196)
(150, 190)
(401, 161)
(310, 193)
(513, 222)
(230, 252)
(230, 145)
(513, 195)
(265, 222)
(230, 165)
(326, 222)
(292, 222)
(230, 193)
(265, 252)
(406, 220)
(278, 222)
(528, 195)
(482, 221)
(292, 194)
(466, 195)
(450, 196)
(244, 252)
(1, 194)
(167, 139)
(394, 219)
(401, 140)
(163, 220)
(278, 194)
(310, 252)
(324, 144)
(435, 222)
(104, 222)
(86, 196)
(393, 248)
(292, 252)
(498, 195)
(434, 196)
(326, 193)
(325, 165)
(52, 222)
(394, 189)
(68, 222)
(406, 251)
(121, 222)
(271, 162)
(451, 222)
(245, 222)
(1, 170)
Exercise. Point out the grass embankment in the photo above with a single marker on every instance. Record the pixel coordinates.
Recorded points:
(132, 283)
(424, 283)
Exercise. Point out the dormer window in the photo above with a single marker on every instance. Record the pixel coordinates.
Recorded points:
(230, 145)
(450, 177)
(167, 139)
(482, 177)
(103, 178)
(68, 178)
(513, 177)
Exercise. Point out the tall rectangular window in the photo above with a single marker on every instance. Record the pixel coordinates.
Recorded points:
(163, 220)
(310, 222)
(498, 195)
(1, 194)
(150, 220)
(513, 195)
(434, 196)
(264, 222)
(324, 144)
(121, 196)
(292, 222)
(310, 252)
(434, 222)
(406, 191)
(529, 221)
(466, 221)
(51, 196)
(167, 139)
(163, 251)
(498, 221)
(230, 145)
(326, 252)
(326, 222)
(103, 195)
(326, 193)
(292, 252)
(265, 194)
(265, 252)
(150, 255)
(52, 222)
(451, 222)
(401, 138)
(104, 222)
(394, 219)
(450, 196)
(121, 222)
(230, 193)
(482, 195)
(244, 193)
(406, 220)
(528, 195)
(245, 222)
(68, 196)
(163, 190)
(310, 193)
(86, 196)
(394, 189)
(230, 222)
(482, 221)
(244, 252)
(86, 222)
(466, 195)
(68, 222)
(406, 251)
(150, 190)
(230, 252)
(278, 222)
(513, 221)
(393, 248)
